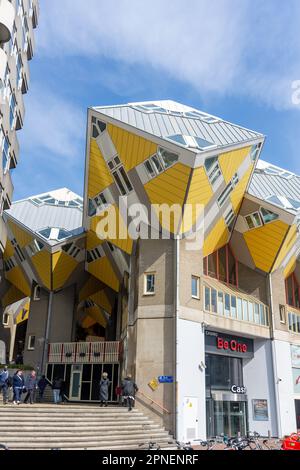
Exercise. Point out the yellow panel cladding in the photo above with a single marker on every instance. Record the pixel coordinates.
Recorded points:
(91, 286)
(103, 271)
(63, 266)
(88, 322)
(288, 244)
(9, 250)
(265, 242)
(238, 193)
(23, 314)
(97, 315)
(200, 193)
(92, 240)
(231, 161)
(119, 235)
(290, 267)
(99, 176)
(18, 279)
(217, 238)
(42, 263)
(100, 298)
(131, 148)
(12, 295)
(22, 237)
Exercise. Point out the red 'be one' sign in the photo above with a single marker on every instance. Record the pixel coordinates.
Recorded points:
(233, 345)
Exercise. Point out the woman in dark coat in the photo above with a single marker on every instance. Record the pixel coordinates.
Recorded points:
(104, 387)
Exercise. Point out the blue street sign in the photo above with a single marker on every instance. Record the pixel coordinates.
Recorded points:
(166, 379)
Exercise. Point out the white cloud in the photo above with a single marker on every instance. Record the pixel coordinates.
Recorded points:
(238, 47)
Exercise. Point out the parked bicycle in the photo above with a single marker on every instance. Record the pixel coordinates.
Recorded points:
(150, 446)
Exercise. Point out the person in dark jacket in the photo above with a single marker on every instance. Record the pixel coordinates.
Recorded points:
(42, 384)
(18, 386)
(57, 386)
(104, 388)
(31, 386)
(129, 389)
(4, 384)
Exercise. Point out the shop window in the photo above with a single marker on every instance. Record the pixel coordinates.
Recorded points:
(292, 291)
(222, 265)
(195, 287)
(149, 286)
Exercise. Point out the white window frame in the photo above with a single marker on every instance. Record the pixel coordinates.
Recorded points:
(37, 293)
(254, 220)
(197, 279)
(12, 115)
(4, 139)
(159, 157)
(146, 275)
(229, 217)
(116, 168)
(214, 173)
(31, 339)
(282, 314)
(5, 323)
(228, 190)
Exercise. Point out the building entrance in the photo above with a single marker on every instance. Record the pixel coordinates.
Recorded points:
(226, 417)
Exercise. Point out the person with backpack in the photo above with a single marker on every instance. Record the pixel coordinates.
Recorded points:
(129, 389)
(4, 384)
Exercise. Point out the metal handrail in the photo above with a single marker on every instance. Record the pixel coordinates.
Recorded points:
(154, 402)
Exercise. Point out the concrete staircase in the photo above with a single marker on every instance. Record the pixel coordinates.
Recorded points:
(77, 427)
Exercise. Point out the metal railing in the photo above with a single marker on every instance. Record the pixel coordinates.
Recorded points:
(153, 402)
(85, 353)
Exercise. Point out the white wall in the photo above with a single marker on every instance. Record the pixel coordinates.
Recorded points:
(258, 378)
(191, 405)
(284, 384)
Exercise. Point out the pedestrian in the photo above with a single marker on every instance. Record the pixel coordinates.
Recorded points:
(42, 384)
(31, 386)
(4, 384)
(129, 389)
(104, 387)
(18, 386)
(62, 391)
(56, 387)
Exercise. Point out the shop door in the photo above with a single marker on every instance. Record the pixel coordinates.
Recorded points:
(229, 418)
(75, 387)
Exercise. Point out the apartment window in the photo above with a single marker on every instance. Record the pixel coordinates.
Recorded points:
(195, 287)
(5, 152)
(31, 343)
(12, 109)
(71, 249)
(268, 216)
(222, 265)
(25, 32)
(93, 255)
(149, 287)
(225, 304)
(37, 293)
(9, 264)
(255, 151)
(160, 162)
(99, 203)
(292, 289)
(120, 176)
(5, 320)
(253, 220)
(294, 322)
(12, 39)
(282, 313)
(228, 190)
(98, 127)
(19, 66)
(229, 219)
(213, 169)
(18, 250)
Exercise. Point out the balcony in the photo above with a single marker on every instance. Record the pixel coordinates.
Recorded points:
(7, 16)
(85, 353)
(3, 65)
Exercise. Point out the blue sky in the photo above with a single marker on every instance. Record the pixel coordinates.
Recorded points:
(236, 59)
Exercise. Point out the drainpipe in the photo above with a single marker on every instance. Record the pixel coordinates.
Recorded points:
(47, 331)
(176, 329)
(274, 359)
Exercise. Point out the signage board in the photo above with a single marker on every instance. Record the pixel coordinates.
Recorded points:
(153, 384)
(239, 389)
(228, 345)
(260, 410)
(166, 379)
(295, 353)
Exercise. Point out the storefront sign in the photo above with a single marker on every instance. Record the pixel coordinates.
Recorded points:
(295, 353)
(228, 345)
(241, 390)
(166, 379)
(153, 385)
(260, 410)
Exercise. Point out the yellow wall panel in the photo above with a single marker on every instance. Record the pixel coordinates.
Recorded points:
(22, 237)
(290, 267)
(100, 298)
(97, 315)
(170, 187)
(238, 193)
(9, 250)
(88, 322)
(99, 176)
(103, 271)
(217, 238)
(131, 148)
(286, 247)
(63, 266)
(42, 263)
(90, 287)
(12, 295)
(231, 161)
(92, 240)
(23, 314)
(265, 242)
(119, 235)
(18, 279)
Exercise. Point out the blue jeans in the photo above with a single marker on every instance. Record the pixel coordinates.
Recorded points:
(17, 393)
(4, 389)
(56, 396)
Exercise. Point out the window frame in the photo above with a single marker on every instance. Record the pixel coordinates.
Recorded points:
(197, 279)
(146, 292)
(31, 347)
(5, 323)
